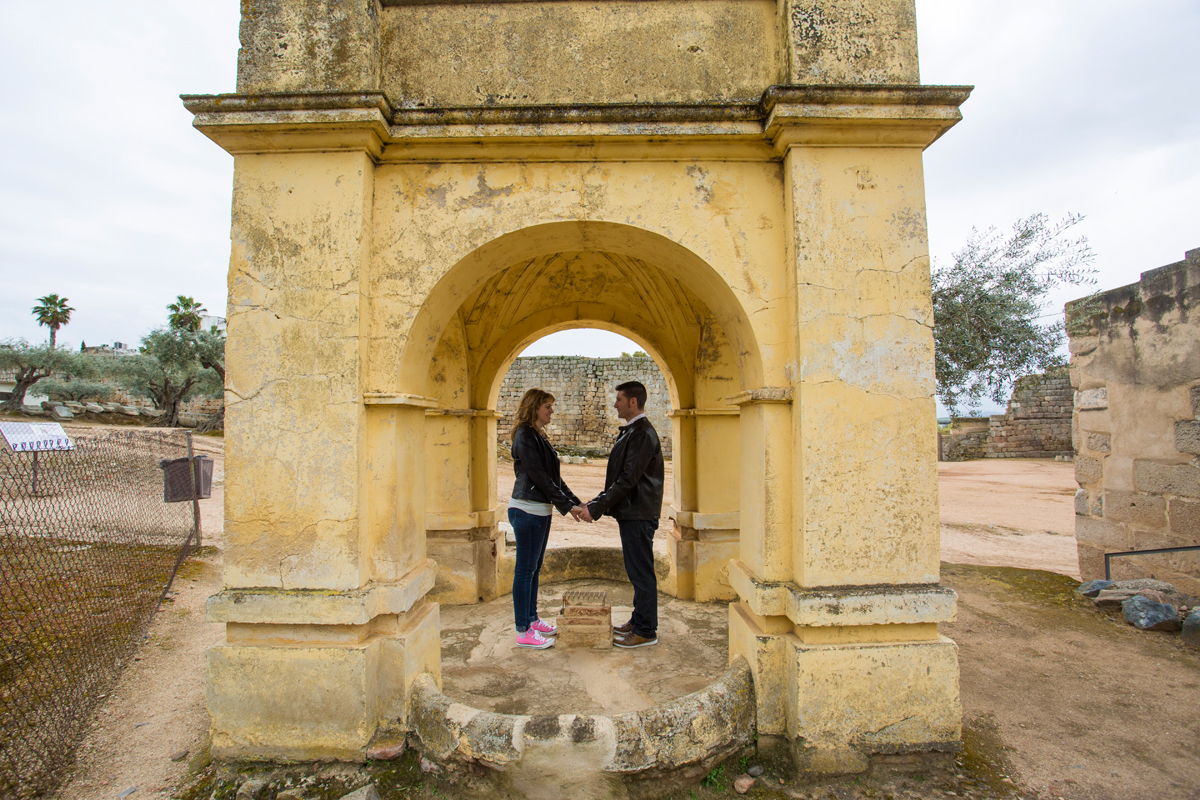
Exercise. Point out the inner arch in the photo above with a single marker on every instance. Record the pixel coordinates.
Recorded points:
(471, 286)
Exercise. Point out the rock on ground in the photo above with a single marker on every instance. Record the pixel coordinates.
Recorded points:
(368, 792)
(1093, 588)
(1147, 615)
(1191, 629)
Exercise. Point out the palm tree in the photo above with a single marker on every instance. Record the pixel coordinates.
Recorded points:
(53, 312)
(185, 314)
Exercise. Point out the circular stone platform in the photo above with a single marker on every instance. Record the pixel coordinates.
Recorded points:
(483, 668)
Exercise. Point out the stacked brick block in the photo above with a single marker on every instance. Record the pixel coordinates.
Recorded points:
(1037, 422)
(1136, 369)
(585, 621)
(585, 422)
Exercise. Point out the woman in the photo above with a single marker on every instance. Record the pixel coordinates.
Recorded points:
(538, 490)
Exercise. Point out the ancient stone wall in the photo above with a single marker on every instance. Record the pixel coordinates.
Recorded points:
(1037, 423)
(1135, 366)
(585, 421)
(966, 440)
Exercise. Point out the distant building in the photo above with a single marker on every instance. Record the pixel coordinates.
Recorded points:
(207, 322)
(115, 349)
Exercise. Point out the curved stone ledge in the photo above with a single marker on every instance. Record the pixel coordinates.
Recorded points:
(682, 738)
(580, 563)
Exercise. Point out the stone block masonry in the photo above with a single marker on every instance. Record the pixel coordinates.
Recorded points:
(966, 440)
(1135, 368)
(585, 422)
(1037, 423)
(585, 621)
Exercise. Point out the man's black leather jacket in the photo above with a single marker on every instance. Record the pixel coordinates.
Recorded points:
(538, 476)
(633, 483)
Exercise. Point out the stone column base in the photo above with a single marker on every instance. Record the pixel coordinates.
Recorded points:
(468, 565)
(308, 676)
(882, 682)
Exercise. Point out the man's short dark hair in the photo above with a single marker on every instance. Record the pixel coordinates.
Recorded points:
(634, 390)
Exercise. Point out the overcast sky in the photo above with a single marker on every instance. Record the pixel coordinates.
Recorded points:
(109, 198)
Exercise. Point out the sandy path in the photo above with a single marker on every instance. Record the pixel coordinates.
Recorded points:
(587, 481)
(1009, 512)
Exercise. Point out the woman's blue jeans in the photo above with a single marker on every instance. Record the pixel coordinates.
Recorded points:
(532, 533)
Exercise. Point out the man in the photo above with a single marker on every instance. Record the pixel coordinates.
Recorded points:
(633, 494)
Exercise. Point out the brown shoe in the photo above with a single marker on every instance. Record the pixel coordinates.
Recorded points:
(631, 639)
(621, 630)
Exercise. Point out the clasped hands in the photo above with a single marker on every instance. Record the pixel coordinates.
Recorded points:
(580, 512)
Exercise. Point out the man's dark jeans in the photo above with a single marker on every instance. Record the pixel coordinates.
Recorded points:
(637, 546)
(531, 532)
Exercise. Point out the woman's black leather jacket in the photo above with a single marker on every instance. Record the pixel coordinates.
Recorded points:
(538, 478)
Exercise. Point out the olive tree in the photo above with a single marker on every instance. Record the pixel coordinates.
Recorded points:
(32, 363)
(990, 321)
(167, 370)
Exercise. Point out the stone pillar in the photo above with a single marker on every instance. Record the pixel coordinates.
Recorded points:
(705, 529)
(681, 581)
(841, 626)
(489, 545)
(325, 568)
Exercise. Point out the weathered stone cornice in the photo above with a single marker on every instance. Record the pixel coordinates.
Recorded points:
(844, 605)
(276, 606)
(308, 101)
(784, 116)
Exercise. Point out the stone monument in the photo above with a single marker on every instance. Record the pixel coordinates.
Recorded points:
(421, 189)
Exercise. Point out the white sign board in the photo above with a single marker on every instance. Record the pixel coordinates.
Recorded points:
(35, 437)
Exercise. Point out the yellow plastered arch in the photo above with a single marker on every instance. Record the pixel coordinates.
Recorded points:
(672, 258)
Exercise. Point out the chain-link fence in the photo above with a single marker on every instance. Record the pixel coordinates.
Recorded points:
(88, 548)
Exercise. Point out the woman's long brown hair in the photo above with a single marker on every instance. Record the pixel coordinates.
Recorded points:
(528, 408)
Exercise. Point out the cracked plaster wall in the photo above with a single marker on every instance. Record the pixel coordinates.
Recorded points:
(293, 412)
(720, 233)
(865, 436)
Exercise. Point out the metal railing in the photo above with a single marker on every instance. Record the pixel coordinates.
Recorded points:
(88, 549)
(1109, 556)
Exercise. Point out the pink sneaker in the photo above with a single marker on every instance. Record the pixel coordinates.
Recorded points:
(532, 639)
(544, 628)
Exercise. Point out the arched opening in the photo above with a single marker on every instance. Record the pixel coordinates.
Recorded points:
(574, 677)
(505, 305)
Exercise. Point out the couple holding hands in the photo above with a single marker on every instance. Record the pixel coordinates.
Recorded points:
(633, 494)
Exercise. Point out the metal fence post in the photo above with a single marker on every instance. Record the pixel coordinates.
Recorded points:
(196, 479)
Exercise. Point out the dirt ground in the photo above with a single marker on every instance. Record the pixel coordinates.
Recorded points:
(587, 481)
(1009, 513)
(1058, 699)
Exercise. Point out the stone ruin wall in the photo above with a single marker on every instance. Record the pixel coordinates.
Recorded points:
(966, 441)
(1037, 422)
(585, 422)
(1135, 365)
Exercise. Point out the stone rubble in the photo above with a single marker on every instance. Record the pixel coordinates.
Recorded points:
(1191, 628)
(368, 792)
(1148, 604)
